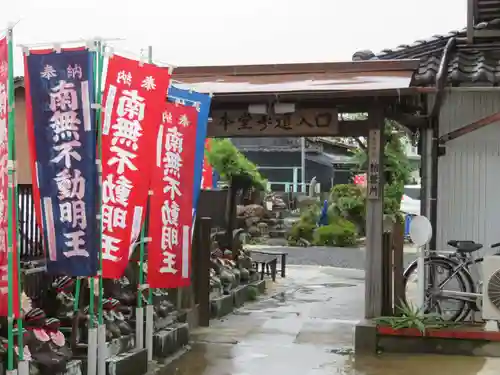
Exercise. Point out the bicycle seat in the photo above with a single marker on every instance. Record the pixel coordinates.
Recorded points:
(465, 246)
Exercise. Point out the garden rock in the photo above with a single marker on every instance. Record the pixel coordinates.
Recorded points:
(254, 231)
(289, 221)
(272, 222)
(251, 221)
(254, 210)
(240, 210)
(263, 227)
(305, 201)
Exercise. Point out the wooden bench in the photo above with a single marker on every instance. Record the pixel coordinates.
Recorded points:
(268, 264)
(282, 255)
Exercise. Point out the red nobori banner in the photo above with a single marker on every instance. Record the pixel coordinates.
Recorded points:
(133, 102)
(170, 218)
(207, 173)
(4, 191)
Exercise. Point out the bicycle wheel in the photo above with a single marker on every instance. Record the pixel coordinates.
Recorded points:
(444, 268)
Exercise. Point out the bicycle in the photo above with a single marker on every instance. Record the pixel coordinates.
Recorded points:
(459, 265)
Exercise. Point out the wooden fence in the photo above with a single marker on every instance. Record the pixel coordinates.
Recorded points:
(29, 234)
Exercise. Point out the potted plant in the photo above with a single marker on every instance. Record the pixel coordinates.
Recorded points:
(411, 321)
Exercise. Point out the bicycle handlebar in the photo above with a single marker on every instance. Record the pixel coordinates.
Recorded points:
(495, 245)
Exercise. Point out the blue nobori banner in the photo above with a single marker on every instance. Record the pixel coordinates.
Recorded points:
(202, 103)
(62, 136)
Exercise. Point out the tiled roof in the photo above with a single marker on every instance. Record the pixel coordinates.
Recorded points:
(486, 10)
(476, 64)
(465, 66)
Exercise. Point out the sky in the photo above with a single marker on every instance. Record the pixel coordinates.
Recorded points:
(225, 32)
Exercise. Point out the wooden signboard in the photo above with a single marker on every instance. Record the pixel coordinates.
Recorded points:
(374, 185)
(306, 122)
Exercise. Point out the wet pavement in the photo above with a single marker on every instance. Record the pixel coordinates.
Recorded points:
(305, 327)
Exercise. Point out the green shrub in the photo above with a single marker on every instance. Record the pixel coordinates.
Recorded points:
(348, 201)
(301, 230)
(346, 190)
(397, 168)
(230, 163)
(311, 214)
(304, 228)
(340, 232)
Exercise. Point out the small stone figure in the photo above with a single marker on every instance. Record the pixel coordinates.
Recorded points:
(46, 343)
(63, 288)
(115, 318)
(215, 285)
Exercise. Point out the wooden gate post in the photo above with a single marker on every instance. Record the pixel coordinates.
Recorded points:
(387, 307)
(374, 215)
(203, 277)
(398, 266)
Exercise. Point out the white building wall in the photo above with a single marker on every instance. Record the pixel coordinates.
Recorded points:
(411, 152)
(468, 205)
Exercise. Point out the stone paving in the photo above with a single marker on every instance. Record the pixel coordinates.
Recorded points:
(305, 327)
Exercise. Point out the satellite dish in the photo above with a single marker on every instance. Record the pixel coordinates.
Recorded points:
(420, 230)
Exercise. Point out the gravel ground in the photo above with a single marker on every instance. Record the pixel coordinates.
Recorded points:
(328, 256)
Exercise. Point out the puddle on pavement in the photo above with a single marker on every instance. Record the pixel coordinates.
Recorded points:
(216, 359)
(242, 312)
(411, 365)
(280, 297)
(311, 294)
(290, 334)
(342, 351)
(331, 285)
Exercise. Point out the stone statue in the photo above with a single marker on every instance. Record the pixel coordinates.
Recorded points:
(312, 187)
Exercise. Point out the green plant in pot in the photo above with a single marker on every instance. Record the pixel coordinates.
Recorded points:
(411, 316)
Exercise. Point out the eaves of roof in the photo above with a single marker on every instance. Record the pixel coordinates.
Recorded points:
(476, 64)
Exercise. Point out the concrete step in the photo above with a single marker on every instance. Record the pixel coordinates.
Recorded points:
(170, 340)
(277, 233)
(134, 362)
